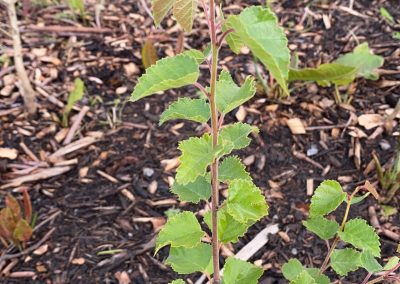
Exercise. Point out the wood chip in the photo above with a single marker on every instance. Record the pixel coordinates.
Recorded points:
(8, 153)
(122, 277)
(41, 250)
(78, 261)
(241, 114)
(296, 126)
(310, 187)
(370, 121)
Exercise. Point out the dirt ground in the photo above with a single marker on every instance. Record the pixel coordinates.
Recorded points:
(99, 217)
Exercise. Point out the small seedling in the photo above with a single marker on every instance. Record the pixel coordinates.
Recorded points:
(387, 16)
(362, 242)
(389, 179)
(75, 96)
(77, 6)
(15, 222)
(343, 71)
(200, 172)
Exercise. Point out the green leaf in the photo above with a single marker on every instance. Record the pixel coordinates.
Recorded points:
(193, 192)
(303, 278)
(245, 201)
(358, 233)
(344, 261)
(237, 271)
(77, 5)
(190, 260)
(75, 96)
(235, 136)
(167, 73)
(388, 17)
(392, 262)
(23, 231)
(292, 269)
(322, 227)
(369, 262)
(358, 199)
(160, 9)
(364, 60)
(197, 155)
(197, 110)
(229, 96)
(325, 74)
(319, 278)
(182, 230)
(177, 281)
(229, 230)
(184, 11)
(231, 168)
(196, 54)
(388, 210)
(258, 28)
(327, 197)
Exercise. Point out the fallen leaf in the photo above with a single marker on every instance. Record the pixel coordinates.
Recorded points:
(371, 189)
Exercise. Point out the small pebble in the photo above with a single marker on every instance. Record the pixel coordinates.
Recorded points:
(384, 145)
(294, 251)
(313, 150)
(148, 172)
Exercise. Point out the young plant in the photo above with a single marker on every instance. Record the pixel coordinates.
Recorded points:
(75, 96)
(362, 242)
(15, 225)
(389, 179)
(343, 71)
(200, 172)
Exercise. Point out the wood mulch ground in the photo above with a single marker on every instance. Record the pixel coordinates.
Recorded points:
(102, 197)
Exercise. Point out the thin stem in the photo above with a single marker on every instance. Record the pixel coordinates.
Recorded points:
(214, 131)
(337, 239)
(384, 276)
(202, 89)
(223, 36)
(367, 278)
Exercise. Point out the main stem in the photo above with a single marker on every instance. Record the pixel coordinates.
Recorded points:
(214, 130)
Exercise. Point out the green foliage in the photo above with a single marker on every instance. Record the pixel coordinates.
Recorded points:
(304, 278)
(229, 96)
(327, 197)
(178, 281)
(181, 230)
(369, 262)
(364, 60)
(231, 168)
(387, 16)
(77, 6)
(75, 96)
(235, 137)
(393, 261)
(167, 73)
(240, 272)
(195, 151)
(245, 202)
(258, 28)
(294, 271)
(196, 54)
(325, 74)
(346, 260)
(189, 260)
(197, 110)
(358, 233)
(322, 227)
(14, 221)
(389, 179)
(183, 10)
(193, 192)
(229, 230)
